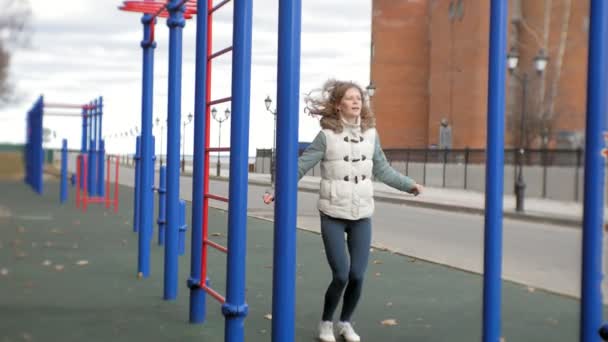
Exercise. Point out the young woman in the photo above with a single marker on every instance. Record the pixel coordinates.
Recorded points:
(349, 150)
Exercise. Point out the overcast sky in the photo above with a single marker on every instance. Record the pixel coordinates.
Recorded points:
(83, 49)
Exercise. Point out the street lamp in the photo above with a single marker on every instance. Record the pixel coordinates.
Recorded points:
(160, 154)
(268, 103)
(220, 119)
(371, 89)
(184, 143)
(540, 64)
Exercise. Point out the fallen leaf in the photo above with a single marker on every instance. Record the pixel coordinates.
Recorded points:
(428, 326)
(371, 250)
(140, 275)
(34, 245)
(263, 331)
(59, 267)
(75, 246)
(552, 321)
(28, 285)
(389, 322)
(531, 289)
(268, 317)
(378, 274)
(412, 260)
(502, 339)
(126, 223)
(15, 243)
(268, 266)
(76, 222)
(21, 230)
(216, 234)
(389, 304)
(378, 262)
(26, 337)
(47, 263)
(48, 244)
(82, 262)
(56, 231)
(20, 254)
(4, 271)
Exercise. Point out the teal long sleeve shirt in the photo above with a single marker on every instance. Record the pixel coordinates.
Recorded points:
(381, 171)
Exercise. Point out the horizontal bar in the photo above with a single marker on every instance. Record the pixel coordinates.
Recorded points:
(63, 114)
(219, 53)
(218, 6)
(216, 246)
(97, 200)
(214, 102)
(218, 149)
(65, 105)
(218, 198)
(214, 294)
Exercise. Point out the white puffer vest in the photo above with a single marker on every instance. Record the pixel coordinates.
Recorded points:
(346, 170)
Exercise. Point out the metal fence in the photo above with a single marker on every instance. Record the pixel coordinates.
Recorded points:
(548, 173)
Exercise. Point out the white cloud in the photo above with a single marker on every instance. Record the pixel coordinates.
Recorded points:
(86, 48)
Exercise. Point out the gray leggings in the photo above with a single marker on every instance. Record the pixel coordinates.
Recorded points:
(359, 234)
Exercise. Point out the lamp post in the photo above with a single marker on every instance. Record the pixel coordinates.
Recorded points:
(540, 64)
(162, 127)
(219, 119)
(268, 102)
(184, 143)
(371, 89)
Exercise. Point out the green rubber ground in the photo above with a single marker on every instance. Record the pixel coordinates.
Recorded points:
(70, 276)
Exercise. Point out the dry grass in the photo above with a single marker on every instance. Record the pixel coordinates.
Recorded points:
(11, 165)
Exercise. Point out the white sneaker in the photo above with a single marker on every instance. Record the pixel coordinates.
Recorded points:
(326, 331)
(346, 330)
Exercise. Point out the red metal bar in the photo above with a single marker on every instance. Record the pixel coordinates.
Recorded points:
(218, 198)
(216, 246)
(214, 102)
(84, 187)
(96, 200)
(214, 294)
(221, 52)
(108, 183)
(116, 185)
(217, 7)
(207, 142)
(218, 149)
(78, 176)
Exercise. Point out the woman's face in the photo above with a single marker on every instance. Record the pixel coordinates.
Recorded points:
(350, 105)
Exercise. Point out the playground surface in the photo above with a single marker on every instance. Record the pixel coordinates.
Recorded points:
(66, 275)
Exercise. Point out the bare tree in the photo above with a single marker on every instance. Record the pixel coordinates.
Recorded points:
(14, 18)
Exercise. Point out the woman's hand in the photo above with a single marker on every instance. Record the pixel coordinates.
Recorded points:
(417, 189)
(268, 197)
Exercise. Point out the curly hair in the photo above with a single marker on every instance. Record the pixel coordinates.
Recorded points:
(324, 103)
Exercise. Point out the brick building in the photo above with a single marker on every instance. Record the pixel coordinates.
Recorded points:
(430, 62)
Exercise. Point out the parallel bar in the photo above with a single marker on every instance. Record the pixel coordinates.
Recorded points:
(78, 179)
(288, 90)
(593, 215)
(216, 246)
(495, 172)
(198, 300)
(64, 105)
(235, 309)
(107, 194)
(116, 185)
(218, 198)
(217, 7)
(222, 100)
(221, 52)
(214, 294)
(218, 149)
(63, 114)
(63, 193)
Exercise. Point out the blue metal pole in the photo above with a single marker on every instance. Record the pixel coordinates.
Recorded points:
(284, 264)
(83, 145)
(235, 308)
(94, 151)
(146, 169)
(593, 215)
(197, 295)
(90, 149)
(39, 150)
(136, 193)
(100, 168)
(64, 172)
(176, 23)
(182, 228)
(101, 157)
(494, 172)
(162, 204)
